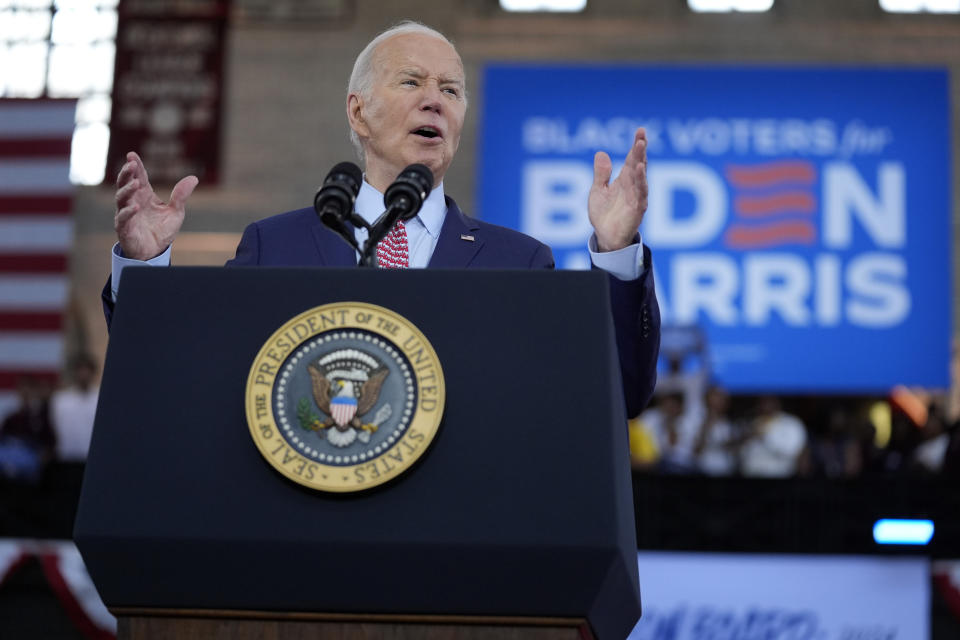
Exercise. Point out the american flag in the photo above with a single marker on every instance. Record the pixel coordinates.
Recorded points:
(36, 233)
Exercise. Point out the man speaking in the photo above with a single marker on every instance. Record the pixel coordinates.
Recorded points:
(406, 103)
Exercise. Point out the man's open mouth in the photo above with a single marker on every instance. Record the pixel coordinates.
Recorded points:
(427, 132)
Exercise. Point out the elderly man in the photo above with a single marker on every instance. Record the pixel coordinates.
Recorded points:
(406, 104)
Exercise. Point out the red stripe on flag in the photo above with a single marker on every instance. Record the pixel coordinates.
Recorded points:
(39, 263)
(948, 590)
(14, 565)
(9, 379)
(40, 204)
(75, 610)
(27, 321)
(34, 147)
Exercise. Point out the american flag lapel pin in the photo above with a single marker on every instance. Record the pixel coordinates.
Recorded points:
(466, 237)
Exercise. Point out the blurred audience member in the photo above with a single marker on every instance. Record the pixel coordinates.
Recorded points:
(73, 410)
(918, 438)
(951, 458)
(904, 436)
(953, 398)
(933, 439)
(864, 433)
(27, 439)
(835, 448)
(714, 446)
(672, 432)
(643, 448)
(773, 442)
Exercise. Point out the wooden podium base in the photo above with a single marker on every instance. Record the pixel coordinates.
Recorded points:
(157, 624)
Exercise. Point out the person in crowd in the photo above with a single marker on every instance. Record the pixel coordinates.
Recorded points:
(835, 448)
(895, 457)
(643, 446)
(773, 442)
(672, 431)
(27, 439)
(933, 438)
(73, 409)
(714, 445)
(919, 432)
(951, 457)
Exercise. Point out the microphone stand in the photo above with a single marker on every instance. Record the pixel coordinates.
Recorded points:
(335, 224)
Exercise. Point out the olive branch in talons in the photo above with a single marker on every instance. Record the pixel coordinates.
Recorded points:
(309, 421)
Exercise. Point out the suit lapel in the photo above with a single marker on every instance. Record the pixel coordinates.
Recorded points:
(332, 251)
(453, 250)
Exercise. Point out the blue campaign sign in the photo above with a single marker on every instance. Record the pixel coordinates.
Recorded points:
(800, 216)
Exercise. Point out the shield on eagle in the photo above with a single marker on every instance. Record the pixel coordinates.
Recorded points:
(342, 410)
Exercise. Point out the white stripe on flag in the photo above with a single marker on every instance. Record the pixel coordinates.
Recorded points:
(31, 351)
(31, 176)
(74, 573)
(12, 550)
(36, 234)
(37, 119)
(33, 293)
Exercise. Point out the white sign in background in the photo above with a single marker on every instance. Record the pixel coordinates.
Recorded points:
(714, 596)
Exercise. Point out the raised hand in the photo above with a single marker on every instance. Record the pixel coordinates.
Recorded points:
(616, 208)
(145, 224)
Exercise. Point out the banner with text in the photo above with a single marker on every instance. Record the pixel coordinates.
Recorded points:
(800, 216)
(715, 596)
(168, 88)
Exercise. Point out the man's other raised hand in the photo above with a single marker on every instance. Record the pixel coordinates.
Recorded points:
(145, 224)
(616, 208)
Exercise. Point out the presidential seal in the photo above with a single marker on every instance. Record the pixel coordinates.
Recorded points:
(344, 397)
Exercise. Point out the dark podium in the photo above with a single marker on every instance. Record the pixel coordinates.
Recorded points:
(517, 522)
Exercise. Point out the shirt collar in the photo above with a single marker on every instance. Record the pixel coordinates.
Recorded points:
(369, 205)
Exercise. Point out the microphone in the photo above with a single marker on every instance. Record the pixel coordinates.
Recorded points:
(409, 190)
(403, 200)
(334, 201)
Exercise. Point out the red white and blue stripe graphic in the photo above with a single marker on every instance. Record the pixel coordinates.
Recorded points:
(773, 205)
(342, 410)
(67, 577)
(36, 234)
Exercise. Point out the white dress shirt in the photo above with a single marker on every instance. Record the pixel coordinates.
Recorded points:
(72, 412)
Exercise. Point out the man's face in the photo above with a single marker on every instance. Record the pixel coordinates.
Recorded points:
(415, 109)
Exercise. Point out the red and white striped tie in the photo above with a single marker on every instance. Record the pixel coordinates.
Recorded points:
(392, 252)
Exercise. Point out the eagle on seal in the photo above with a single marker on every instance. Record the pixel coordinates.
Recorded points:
(345, 393)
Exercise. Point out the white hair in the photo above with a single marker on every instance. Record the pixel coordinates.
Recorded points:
(361, 78)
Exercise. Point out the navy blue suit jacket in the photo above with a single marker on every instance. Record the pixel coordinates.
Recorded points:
(298, 239)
